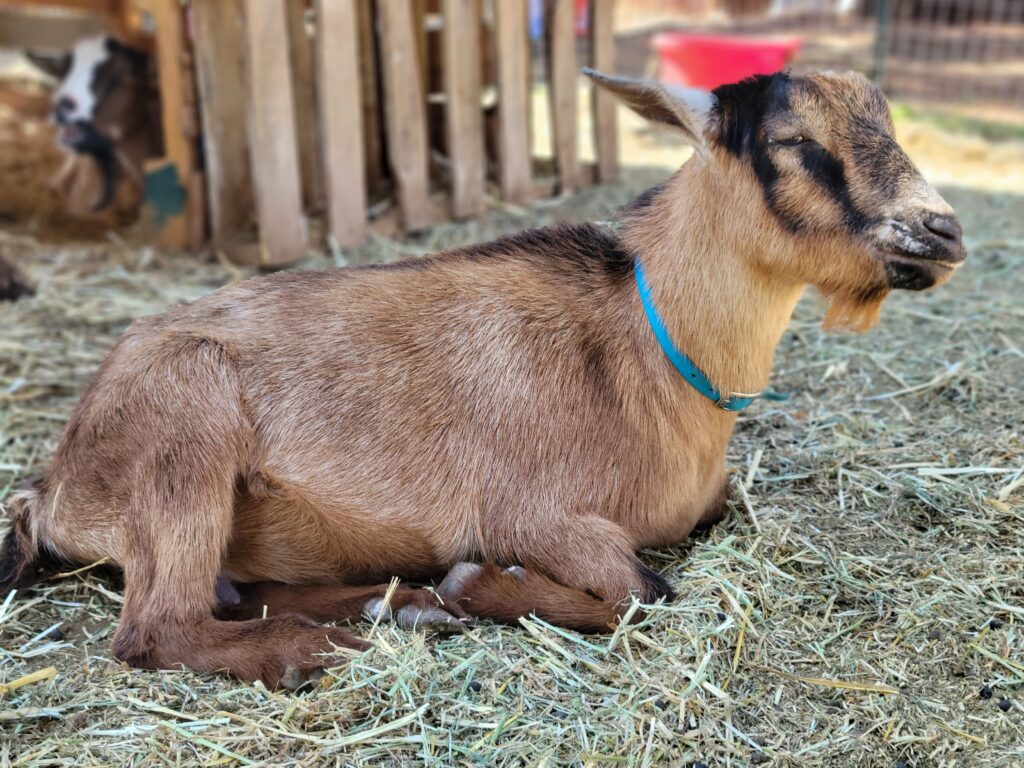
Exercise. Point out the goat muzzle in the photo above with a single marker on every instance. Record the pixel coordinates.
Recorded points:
(923, 253)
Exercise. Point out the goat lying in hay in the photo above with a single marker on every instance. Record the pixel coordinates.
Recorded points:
(108, 117)
(502, 412)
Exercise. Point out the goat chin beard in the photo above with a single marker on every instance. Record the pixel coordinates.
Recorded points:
(853, 313)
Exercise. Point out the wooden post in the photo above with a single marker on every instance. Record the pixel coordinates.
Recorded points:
(305, 108)
(272, 142)
(341, 123)
(563, 77)
(464, 112)
(221, 72)
(513, 57)
(404, 111)
(369, 81)
(419, 31)
(179, 149)
(602, 42)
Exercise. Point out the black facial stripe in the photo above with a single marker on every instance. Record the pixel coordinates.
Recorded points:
(740, 110)
(827, 172)
(888, 165)
(768, 176)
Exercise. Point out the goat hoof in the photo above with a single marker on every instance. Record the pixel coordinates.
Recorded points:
(432, 617)
(226, 592)
(377, 609)
(516, 571)
(454, 584)
(293, 679)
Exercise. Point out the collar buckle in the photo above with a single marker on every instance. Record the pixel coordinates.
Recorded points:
(742, 399)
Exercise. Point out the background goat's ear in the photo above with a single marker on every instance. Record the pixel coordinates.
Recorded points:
(53, 64)
(682, 109)
(137, 58)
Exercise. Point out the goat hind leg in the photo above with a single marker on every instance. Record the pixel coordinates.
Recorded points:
(177, 528)
(170, 574)
(410, 608)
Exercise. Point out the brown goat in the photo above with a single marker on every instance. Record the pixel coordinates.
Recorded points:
(503, 412)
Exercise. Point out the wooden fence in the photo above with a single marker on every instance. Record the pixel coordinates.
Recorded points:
(296, 123)
(394, 114)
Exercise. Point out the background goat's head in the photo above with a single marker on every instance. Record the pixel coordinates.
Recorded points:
(839, 204)
(103, 97)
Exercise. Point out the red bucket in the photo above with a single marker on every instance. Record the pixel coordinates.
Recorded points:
(707, 61)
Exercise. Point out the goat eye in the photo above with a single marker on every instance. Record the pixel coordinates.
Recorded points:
(791, 141)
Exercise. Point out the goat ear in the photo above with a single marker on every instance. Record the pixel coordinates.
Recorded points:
(137, 58)
(685, 110)
(53, 64)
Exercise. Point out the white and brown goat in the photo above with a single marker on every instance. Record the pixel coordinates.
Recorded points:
(107, 113)
(501, 412)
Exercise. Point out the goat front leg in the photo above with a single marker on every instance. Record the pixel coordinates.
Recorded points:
(576, 572)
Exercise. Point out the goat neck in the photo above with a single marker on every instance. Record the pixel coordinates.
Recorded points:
(699, 241)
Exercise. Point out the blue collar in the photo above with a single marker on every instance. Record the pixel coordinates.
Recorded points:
(734, 401)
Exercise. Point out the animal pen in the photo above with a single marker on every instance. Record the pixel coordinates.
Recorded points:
(382, 114)
(373, 113)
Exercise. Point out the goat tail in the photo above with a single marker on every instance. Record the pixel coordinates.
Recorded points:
(22, 554)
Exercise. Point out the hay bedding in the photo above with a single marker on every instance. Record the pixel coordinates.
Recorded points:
(860, 601)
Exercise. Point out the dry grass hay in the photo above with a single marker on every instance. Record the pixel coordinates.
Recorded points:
(856, 608)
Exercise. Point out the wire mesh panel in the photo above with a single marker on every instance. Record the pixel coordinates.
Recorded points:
(934, 51)
(954, 50)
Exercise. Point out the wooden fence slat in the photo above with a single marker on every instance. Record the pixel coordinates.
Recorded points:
(272, 141)
(305, 107)
(341, 119)
(513, 59)
(602, 41)
(369, 80)
(179, 148)
(220, 69)
(405, 111)
(463, 110)
(419, 28)
(563, 83)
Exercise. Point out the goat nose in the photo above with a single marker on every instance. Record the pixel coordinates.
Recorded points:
(943, 226)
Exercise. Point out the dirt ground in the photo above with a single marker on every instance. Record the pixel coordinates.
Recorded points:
(861, 605)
